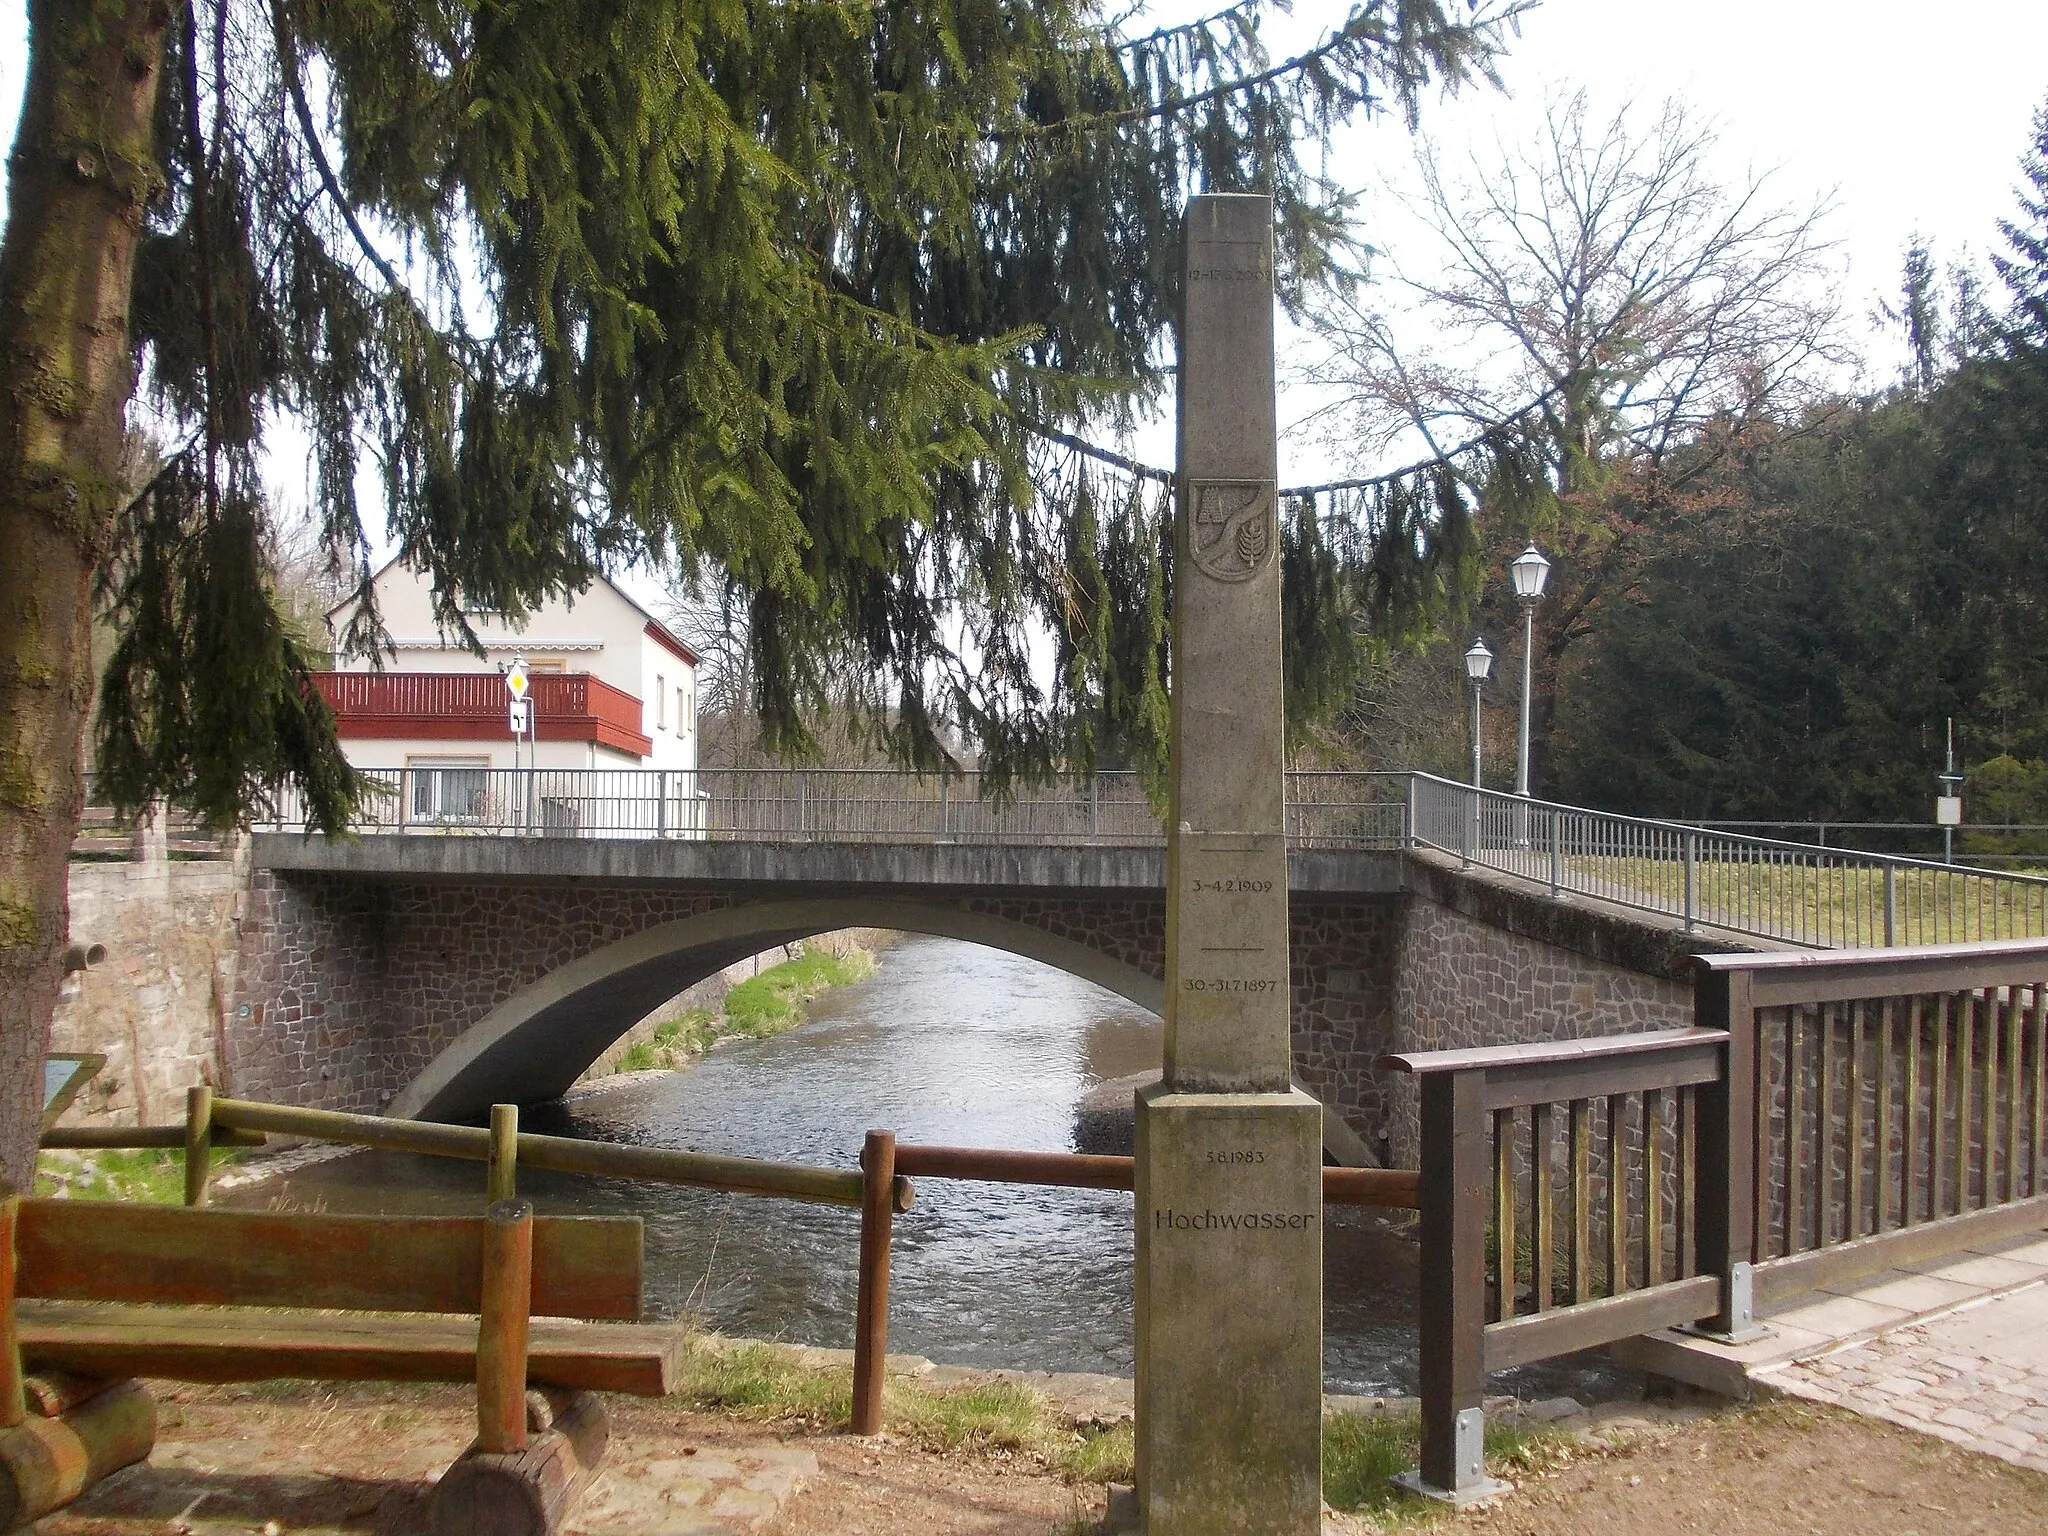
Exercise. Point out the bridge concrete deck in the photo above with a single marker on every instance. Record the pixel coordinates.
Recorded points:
(820, 866)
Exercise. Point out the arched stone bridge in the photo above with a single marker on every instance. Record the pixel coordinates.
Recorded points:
(432, 976)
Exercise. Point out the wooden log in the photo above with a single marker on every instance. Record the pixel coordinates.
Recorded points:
(52, 1394)
(198, 1143)
(253, 1344)
(501, 1172)
(528, 1492)
(100, 1138)
(561, 1154)
(502, 1328)
(46, 1463)
(88, 1250)
(13, 1407)
(871, 1298)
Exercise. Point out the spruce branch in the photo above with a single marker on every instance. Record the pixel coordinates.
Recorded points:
(288, 66)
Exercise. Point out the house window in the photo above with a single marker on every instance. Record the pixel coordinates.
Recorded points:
(660, 703)
(682, 712)
(544, 664)
(449, 788)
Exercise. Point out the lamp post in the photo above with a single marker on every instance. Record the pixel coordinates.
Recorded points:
(1530, 572)
(1478, 663)
(1478, 667)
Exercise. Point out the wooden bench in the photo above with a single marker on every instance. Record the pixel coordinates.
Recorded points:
(108, 1291)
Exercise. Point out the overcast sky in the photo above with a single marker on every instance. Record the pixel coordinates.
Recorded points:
(1909, 118)
(1912, 117)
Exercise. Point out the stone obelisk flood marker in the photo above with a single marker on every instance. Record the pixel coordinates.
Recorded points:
(1229, 1171)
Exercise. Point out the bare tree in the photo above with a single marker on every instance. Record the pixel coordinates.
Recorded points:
(1601, 287)
(1602, 275)
(713, 623)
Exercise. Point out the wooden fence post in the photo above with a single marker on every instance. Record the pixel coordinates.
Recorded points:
(198, 1143)
(1455, 1180)
(871, 1309)
(501, 1176)
(1725, 1172)
(13, 1404)
(502, 1328)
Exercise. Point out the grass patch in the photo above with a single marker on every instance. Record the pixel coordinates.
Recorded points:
(760, 1006)
(998, 1417)
(1362, 1453)
(774, 1001)
(151, 1176)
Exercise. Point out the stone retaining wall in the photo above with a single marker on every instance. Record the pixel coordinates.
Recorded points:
(155, 1007)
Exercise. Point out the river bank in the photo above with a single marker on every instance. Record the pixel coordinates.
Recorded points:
(704, 1003)
(764, 1005)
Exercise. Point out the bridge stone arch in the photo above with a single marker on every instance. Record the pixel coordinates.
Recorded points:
(421, 975)
(537, 1042)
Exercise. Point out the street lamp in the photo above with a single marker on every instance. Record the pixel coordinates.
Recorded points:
(1531, 572)
(1478, 667)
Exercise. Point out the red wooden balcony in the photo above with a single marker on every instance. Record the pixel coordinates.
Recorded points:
(472, 706)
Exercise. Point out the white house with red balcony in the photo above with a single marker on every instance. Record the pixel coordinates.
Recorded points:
(610, 688)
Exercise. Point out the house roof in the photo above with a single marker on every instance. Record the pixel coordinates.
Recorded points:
(655, 630)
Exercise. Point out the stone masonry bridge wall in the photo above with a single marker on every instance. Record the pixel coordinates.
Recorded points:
(361, 988)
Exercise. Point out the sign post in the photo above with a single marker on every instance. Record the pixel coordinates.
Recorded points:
(1948, 805)
(1229, 1155)
(520, 717)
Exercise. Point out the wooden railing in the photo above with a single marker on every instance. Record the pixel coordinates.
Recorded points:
(567, 706)
(1828, 1117)
(880, 1189)
(1892, 1106)
(1631, 1258)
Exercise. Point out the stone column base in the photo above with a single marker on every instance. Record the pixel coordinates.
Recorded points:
(1229, 1313)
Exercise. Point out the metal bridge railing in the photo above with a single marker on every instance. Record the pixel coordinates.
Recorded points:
(1825, 898)
(1348, 810)
(1816, 896)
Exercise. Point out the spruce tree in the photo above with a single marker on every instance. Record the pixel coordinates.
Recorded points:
(2025, 269)
(809, 298)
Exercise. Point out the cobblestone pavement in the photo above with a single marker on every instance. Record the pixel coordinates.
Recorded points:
(1977, 1376)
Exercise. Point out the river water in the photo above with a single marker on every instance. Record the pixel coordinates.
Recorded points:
(950, 1043)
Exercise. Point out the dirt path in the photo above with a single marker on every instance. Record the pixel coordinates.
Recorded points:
(359, 1461)
(1781, 1469)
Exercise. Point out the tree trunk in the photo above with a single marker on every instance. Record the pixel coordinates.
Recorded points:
(83, 169)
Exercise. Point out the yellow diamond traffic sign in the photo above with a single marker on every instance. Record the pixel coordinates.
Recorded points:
(515, 679)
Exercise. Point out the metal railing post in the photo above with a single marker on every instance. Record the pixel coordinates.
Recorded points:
(1891, 904)
(661, 804)
(1094, 806)
(803, 805)
(1556, 858)
(1692, 866)
(1468, 832)
(1413, 830)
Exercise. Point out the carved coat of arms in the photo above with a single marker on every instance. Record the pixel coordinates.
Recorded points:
(1233, 533)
